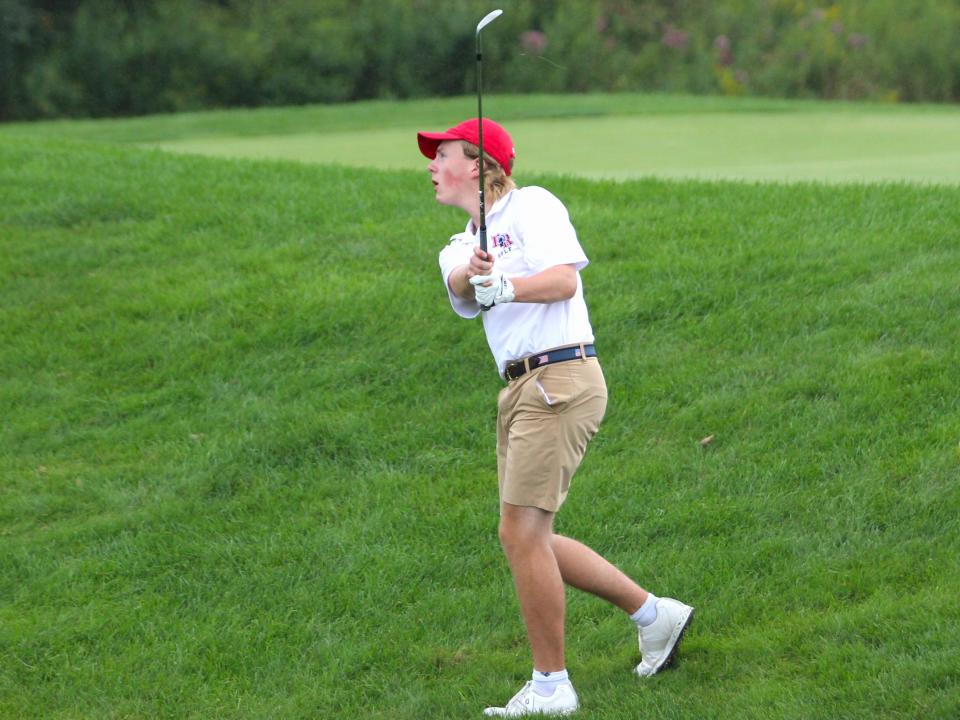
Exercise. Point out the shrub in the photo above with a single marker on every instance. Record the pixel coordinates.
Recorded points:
(108, 57)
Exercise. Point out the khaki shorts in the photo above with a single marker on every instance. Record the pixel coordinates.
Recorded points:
(544, 421)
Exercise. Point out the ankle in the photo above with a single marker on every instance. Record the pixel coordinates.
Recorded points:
(546, 683)
(647, 613)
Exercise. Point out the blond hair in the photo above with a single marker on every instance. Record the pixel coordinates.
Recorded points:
(496, 182)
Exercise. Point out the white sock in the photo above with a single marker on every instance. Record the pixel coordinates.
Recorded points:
(647, 612)
(546, 683)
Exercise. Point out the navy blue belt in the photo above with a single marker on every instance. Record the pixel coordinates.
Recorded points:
(519, 368)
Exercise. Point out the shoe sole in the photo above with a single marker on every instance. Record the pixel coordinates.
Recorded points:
(561, 713)
(502, 712)
(672, 653)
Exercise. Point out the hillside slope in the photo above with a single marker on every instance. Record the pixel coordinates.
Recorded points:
(247, 468)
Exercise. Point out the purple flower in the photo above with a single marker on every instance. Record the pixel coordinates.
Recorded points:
(602, 24)
(836, 27)
(857, 41)
(721, 44)
(533, 41)
(674, 37)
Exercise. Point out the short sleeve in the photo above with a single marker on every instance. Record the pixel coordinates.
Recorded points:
(457, 253)
(549, 237)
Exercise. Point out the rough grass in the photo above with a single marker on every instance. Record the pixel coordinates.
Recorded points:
(247, 468)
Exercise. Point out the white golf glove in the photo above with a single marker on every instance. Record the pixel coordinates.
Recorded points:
(499, 292)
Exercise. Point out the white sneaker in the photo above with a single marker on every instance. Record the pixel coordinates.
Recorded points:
(659, 641)
(527, 702)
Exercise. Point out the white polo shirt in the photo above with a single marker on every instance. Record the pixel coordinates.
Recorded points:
(528, 231)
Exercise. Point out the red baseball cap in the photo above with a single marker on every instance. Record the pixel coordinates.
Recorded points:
(496, 142)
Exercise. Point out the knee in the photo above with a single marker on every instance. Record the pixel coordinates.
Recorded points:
(507, 534)
(516, 536)
(511, 535)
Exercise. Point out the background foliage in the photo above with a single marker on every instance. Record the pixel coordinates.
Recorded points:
(115, 57)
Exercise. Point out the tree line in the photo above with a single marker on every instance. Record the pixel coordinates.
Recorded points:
(93, 58)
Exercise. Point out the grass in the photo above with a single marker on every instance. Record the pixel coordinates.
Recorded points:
(797, 146)
(247, 468)
(595, 136)
(379, 114)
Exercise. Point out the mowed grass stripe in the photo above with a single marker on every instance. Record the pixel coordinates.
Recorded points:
(593, 135)
(829, 147)
(247, 468)
(379, 114)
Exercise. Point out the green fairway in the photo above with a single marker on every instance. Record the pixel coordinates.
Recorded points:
(594, 136)
(828, 146)
(247, 465)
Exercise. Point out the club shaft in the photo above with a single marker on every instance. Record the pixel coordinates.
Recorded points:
(483, 214)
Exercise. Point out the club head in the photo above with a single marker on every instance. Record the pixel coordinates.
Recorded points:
(489, 18)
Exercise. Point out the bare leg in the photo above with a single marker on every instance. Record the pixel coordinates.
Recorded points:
(526, 534)
(585, 570)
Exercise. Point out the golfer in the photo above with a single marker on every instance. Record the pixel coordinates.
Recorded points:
(554, 398)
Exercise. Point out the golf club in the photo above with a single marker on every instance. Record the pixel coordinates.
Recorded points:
(489, 18)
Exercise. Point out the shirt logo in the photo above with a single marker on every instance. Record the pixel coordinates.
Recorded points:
(501, 240)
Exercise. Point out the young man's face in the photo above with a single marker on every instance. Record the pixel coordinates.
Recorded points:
(454, 175)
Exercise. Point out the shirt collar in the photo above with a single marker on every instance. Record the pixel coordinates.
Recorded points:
(498, 207)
